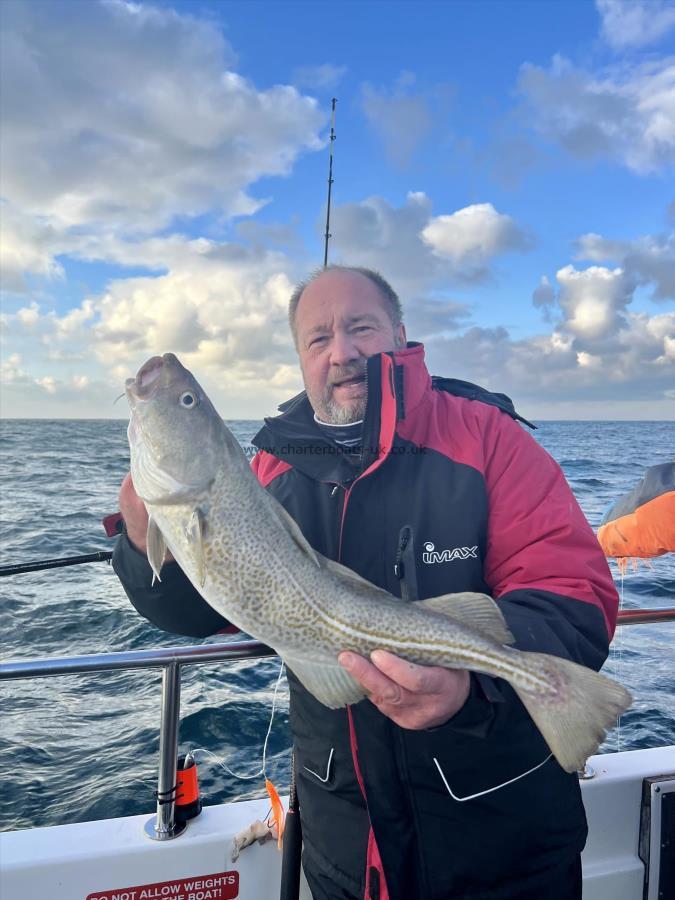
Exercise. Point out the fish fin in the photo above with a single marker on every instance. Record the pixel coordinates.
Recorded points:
(575, 716)
(356, 582)
(478, 611)
(194, 533)
(327, 681)
(156, 548)
(293, 528)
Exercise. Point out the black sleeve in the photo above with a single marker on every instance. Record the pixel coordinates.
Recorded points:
(546, 622)
(171, 604)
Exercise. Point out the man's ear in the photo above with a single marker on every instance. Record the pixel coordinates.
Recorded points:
(401, 337)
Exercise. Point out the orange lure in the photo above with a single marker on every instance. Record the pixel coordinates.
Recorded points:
(278, 813)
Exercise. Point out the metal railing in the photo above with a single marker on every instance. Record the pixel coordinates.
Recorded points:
(163, 826)
(171, 659)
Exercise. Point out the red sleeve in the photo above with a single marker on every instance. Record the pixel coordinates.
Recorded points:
(538, 537)
(267, 467)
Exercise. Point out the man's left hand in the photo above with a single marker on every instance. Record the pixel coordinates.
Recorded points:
(412, 696)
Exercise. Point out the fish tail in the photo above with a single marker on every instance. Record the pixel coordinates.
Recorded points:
(574, 717)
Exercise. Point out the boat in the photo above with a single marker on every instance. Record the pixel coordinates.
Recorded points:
(629, 799)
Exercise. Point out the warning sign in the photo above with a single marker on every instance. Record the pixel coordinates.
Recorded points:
(220, 886)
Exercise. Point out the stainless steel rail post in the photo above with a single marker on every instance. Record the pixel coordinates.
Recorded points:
(163, 826)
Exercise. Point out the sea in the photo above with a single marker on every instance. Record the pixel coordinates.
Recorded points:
(82, 747)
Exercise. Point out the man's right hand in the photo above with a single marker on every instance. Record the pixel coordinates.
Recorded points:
(135, 517)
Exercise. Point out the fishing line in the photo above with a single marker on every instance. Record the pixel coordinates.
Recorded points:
(492, 789)
(221, 761)
(619, 664)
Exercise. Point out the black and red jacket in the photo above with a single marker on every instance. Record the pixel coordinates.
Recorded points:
(449, 494)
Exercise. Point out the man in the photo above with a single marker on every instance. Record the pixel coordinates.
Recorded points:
(438, 786)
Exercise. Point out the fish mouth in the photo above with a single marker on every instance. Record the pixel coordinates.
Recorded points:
(148, 377)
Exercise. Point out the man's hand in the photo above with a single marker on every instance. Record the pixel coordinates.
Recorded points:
(412, 696)
(135, 517)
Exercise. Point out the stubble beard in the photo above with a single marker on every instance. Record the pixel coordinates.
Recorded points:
(330, 411)
(337, 414)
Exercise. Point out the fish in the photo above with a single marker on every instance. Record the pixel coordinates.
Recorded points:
(251, 562)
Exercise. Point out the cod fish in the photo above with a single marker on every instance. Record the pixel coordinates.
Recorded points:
(248, 558)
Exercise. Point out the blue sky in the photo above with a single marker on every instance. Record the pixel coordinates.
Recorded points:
(507, 165)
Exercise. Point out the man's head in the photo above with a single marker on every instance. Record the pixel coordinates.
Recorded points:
(340, 317)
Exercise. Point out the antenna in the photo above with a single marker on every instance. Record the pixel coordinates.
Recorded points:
(330, 183)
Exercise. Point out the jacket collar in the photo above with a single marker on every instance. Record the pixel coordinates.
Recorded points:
(396, 381)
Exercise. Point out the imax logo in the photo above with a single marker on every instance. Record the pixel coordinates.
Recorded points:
(431, 555)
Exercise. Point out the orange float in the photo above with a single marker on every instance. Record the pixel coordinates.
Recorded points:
(641, 524)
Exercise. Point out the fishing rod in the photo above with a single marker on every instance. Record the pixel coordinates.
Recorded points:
(639, 616)
(330, 182)
(99, 556)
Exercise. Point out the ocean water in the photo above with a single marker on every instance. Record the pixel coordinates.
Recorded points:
(82, 747)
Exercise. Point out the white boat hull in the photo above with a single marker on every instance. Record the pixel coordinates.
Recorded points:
(115, 860)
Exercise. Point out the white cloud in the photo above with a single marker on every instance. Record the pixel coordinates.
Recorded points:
(123, 116)
(635, 23)
(27, 247)
(631, 375)
(417, 251)
(625, 114)
(593, 300)
(648, 260)
(471, 236)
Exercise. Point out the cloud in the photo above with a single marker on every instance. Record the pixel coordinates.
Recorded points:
(648, 260)
(549, 373)
(13, 375)
(635, 23)
(427, 316)
(119, 115)
(324, 77)
(418, 251)
(27, 247)
(543, 297)
(626, 114)
(402, 117)
(593, 301)
(471, 236)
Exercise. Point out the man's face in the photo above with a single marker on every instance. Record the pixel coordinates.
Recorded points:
(340, 321)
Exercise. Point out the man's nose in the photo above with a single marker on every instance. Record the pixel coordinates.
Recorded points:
(343, 349)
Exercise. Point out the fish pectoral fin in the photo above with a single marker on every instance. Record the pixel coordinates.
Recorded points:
(327, 681)
(156, 548)
(477, 610)
(195, 538)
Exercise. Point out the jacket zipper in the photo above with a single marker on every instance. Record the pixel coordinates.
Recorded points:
(404, 564)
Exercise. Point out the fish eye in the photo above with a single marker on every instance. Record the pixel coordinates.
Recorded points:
(187, 399)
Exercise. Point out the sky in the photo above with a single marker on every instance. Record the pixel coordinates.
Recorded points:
(508, 165)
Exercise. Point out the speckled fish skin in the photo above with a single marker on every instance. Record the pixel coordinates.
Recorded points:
(250, 562)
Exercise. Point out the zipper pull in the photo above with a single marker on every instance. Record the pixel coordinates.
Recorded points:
(405, 554)
(335, 490)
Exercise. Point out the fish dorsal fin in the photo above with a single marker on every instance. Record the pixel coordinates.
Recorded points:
(293, 529)
(156, 548)
(477, 611)
(326, 680)
(357, 582)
